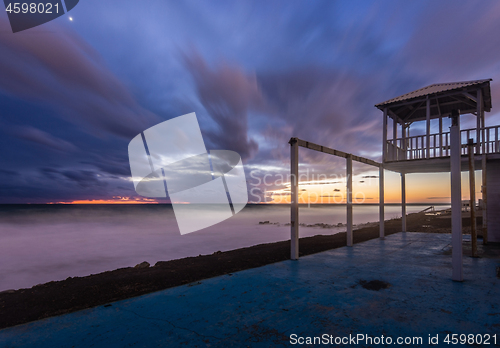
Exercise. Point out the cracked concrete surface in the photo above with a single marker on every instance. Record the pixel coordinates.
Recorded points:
(319, 294)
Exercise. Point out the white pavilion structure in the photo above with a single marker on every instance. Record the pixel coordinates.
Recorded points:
(447, 149)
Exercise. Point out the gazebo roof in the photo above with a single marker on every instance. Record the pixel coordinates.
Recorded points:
(444, 97)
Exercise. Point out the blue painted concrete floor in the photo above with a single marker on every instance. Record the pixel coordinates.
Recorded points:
(318, 295)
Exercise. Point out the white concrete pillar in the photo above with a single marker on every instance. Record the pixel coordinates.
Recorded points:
(349, 199)
(294, 200)
(472, 197)
(381, 201)
(456, 197)
(479, 137)
(484, 191)
(403, 202)
(384, 137)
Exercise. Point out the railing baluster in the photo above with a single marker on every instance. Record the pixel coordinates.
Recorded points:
(424, 146)
(417, 153)
(435, 147)
(496, 138)
(488, 141)
(447, 148)
(419, 146)
(416, 148)
(413, 149)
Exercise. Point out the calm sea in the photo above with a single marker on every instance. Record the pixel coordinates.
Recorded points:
(41, 243)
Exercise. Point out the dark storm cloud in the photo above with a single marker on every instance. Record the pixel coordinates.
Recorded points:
(40, 137)
(455, 40)
(227, 94)
(111, 165)
(58, 94)
(318, 105)
(62, 70)
(84, 178)
(5, 172)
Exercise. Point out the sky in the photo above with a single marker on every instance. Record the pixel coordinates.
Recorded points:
(74, 92)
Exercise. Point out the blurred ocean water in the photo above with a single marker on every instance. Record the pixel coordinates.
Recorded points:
(42, 243)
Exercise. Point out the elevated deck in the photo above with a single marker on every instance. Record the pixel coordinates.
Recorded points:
(435, 165)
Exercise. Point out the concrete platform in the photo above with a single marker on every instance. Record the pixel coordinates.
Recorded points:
(319, 294)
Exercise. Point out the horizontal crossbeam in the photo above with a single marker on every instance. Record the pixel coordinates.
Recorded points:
(324, 149)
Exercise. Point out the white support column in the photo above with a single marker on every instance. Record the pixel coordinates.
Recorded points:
(456, 197)
(294, 200)
(480, 115)
(485, 200)
(484, 139)
(428, 128)
(479, 104)
(403, 202)
(384, 137)
(472, 197)
(381, 201)
(349, 199)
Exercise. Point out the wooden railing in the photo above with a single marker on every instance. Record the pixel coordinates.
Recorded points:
(415, 147)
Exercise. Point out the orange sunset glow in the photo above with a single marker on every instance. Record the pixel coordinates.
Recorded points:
(115, 200)
(420, 188)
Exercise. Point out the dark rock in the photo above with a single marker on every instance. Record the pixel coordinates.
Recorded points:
(142, 265)
(374, 285)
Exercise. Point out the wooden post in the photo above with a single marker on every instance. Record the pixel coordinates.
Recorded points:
(294, 200)
(381, 201)
(456, 197)
(428, 128)
(384, 137)
(472, 191)
(349, 199)
(403, 202)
